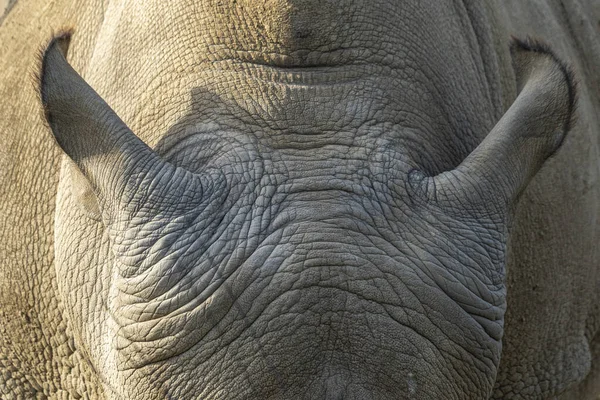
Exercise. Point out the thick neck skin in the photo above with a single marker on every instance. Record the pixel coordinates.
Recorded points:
(311, 278)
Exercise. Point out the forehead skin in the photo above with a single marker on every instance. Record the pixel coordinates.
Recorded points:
(397, 65)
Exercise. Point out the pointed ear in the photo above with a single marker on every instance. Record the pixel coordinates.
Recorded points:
(114, 164)
(499, 169)
(84, 126)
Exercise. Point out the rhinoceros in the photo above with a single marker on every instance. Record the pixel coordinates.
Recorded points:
(300, 199)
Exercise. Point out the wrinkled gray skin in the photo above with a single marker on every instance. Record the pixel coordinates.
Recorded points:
(322, 205)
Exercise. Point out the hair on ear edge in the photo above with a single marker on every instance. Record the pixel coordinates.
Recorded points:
(62, 39)
(538, 46)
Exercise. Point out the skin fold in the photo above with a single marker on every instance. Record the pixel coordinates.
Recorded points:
(300, 199)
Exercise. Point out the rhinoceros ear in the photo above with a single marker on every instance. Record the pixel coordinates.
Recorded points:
(123, 173)
(534, 127)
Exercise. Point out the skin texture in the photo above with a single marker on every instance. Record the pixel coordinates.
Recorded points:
(317, 239)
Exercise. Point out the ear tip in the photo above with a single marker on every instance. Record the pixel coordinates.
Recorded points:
(531, 45)
(60, 42)
(520, 47)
